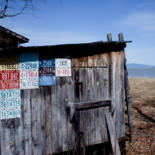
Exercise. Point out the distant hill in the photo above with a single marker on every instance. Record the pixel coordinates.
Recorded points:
(138, 66)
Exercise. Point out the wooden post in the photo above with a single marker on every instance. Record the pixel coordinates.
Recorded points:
(120, 37)
(128, 101)
(109, 37)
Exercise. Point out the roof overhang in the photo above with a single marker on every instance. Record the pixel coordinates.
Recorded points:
(21, 39)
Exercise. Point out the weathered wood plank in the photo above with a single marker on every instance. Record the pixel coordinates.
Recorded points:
(102, 122)
(88, 105)
(48, 118)
(90, 61)
(35, 122)
(94, 128)
(19, 134)
(117, 91)
(83, 62)
(43, 134)
(75, 62)
(105, 73)
(121, 102)
(80, 62)
(112, 134)
(103, 78)
(84, 91)
(100, 60)
(26, 95)
(57, 125)
(90, 97)
(71, 135)
(7, 137)
(55, 113)
(84, 88)
(63, 113)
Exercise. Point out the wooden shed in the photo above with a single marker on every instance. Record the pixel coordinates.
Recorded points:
(63, 98)
(10, 39)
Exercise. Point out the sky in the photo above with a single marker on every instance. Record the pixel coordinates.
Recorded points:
(77, 21)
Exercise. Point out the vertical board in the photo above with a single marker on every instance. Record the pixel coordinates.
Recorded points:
(49, 137)
(71, 135)
(26, 101)
(61, 87)
(29, 65)
(7, 137)
(55, 113)
(36, 128)
(117, 91)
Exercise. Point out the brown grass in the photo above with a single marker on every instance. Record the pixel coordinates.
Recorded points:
(143, 108)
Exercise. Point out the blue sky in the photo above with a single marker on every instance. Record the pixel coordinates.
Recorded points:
(76, 21)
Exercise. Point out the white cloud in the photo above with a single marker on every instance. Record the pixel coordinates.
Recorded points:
(143, 21)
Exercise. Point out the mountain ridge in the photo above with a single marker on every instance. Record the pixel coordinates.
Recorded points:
(139, 66)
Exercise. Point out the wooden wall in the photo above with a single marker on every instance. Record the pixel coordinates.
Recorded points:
(44, 127)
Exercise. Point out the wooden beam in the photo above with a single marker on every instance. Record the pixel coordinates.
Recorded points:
(112, 134)
(89, 105)
(72, 108)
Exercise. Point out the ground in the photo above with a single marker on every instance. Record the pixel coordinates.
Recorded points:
(143, 108)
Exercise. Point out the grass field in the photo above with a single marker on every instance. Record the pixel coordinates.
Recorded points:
(142, 92)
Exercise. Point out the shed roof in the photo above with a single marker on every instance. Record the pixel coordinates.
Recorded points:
(14, 35)
(72, 50)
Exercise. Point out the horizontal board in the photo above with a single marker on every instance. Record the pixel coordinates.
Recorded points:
(100, 60)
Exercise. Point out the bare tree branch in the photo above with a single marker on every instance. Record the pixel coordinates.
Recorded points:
(5, 8)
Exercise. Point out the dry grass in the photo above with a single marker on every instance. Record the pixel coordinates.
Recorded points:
(143, 108)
